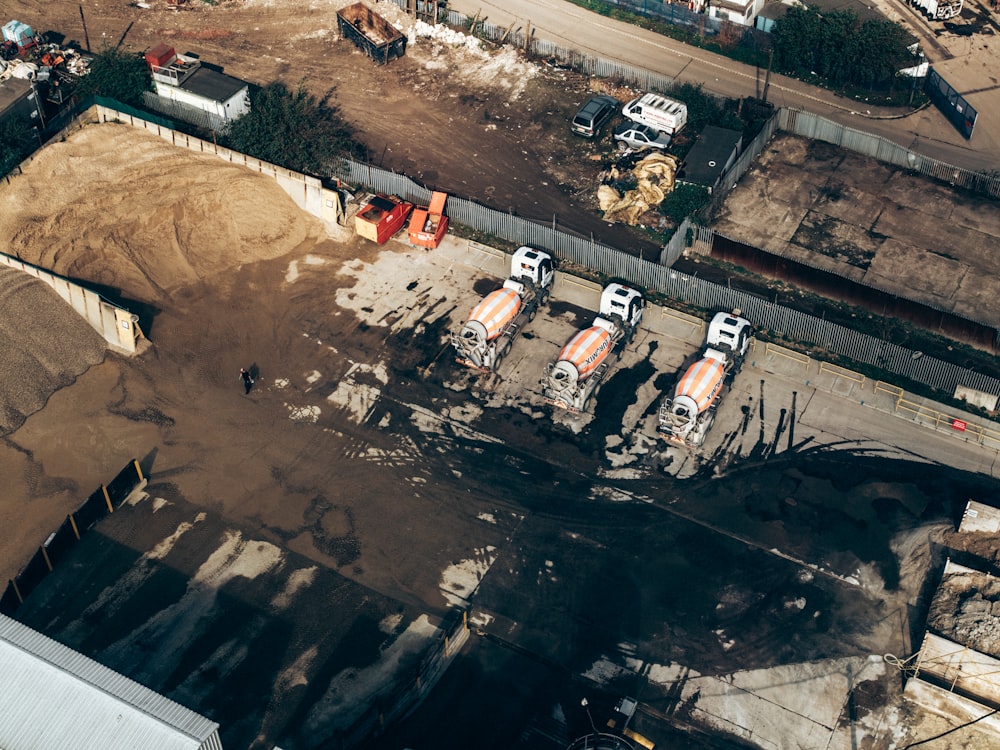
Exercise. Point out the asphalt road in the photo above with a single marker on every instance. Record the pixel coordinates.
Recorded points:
(926, 132)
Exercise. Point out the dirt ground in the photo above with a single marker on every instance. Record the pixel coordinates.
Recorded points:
(357, 493)
(872, 223)
(363, 454)
(485, 127)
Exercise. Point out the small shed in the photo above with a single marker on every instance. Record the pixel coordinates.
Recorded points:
(715, 151)
(371, 33)
(20, 98)
(185, 80)
(769, 15)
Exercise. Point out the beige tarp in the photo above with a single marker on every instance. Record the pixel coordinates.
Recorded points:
(654, 180)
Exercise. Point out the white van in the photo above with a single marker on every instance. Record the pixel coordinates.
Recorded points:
(658, 112)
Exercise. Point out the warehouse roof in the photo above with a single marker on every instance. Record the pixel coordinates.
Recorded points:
(53, 696)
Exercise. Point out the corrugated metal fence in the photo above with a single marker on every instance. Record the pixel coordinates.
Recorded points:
(821, 129)
(772, 319)
(790, 120)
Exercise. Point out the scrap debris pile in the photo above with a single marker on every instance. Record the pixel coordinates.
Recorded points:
(24, 54)
(627, 195)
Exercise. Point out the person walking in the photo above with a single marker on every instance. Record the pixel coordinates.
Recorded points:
(247, 380)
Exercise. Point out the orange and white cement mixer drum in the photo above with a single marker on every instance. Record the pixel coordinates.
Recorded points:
(496, 311)
(587, 349)
(702, 382)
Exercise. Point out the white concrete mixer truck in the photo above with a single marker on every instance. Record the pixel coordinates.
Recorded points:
(497, 320)
(581, 366)
(687, 416)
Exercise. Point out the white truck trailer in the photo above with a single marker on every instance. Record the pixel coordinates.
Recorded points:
(497, 320)
(938, 10)
(581, 366)
(687, 416)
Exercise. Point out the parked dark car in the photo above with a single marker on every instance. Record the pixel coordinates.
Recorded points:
(594, 114)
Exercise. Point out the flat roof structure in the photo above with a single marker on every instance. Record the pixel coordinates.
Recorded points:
(12, 90)
(711, 155)
(53, 696)
(212, 84)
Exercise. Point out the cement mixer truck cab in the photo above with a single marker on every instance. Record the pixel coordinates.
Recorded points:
(500, 316)
(687, 416)
(583, 364)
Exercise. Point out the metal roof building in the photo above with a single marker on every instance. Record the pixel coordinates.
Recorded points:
(711, 155)
(52, 696)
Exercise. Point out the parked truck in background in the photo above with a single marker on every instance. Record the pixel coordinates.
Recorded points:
(499, 318)
(658, 112)
(687, 415)
(938, 10)
(582, 364)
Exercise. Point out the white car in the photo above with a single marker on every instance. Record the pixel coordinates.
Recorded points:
(634, 135)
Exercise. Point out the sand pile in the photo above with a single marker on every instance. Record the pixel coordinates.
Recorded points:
(148, 217)
(45, 346)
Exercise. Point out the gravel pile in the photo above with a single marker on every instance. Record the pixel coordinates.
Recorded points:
(45, 345)
(966, 609)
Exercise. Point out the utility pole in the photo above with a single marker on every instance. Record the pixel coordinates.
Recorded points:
(586, 705)
(86, 37)
(767, 77)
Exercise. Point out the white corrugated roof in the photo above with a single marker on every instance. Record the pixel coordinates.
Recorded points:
(52, 696)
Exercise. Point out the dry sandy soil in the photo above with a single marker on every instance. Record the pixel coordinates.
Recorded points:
(366, 487)
(345, 460)
(486, 127)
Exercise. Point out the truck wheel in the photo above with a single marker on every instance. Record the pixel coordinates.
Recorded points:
(532, 313)
(501, 353)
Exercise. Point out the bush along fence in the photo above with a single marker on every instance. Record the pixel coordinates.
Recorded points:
(102, 502)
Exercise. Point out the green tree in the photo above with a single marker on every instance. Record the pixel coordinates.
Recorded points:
(704, 108)
(296, 131)
(796, 40)
(15, 142)
(839, 47)
(684, 200)
(120, 75)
